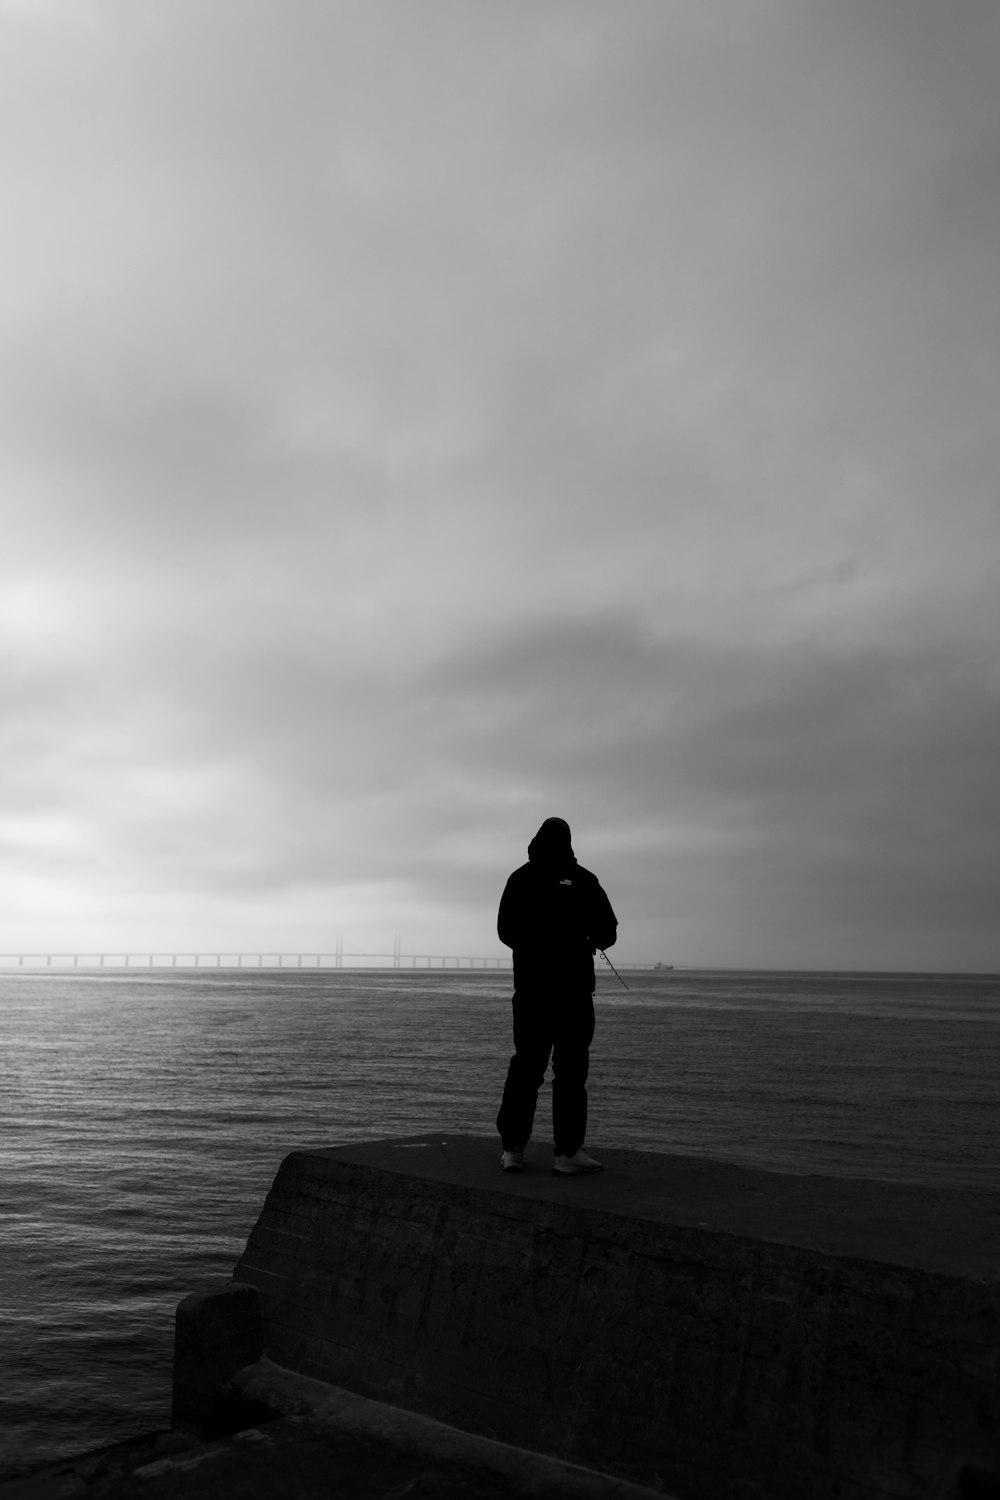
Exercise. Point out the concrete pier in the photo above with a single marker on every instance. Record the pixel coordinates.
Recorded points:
(681, 1324)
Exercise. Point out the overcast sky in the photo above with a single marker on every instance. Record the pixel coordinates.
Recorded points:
(421, 418)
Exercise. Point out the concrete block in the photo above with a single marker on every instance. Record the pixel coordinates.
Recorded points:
(683, 1324)
(216, 1332)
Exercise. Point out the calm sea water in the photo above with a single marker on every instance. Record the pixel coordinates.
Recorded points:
(143, 1116)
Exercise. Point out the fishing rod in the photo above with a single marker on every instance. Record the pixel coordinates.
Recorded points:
(612, 967)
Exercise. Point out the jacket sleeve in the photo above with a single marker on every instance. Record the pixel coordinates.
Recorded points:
(602, 923)
(508, 922)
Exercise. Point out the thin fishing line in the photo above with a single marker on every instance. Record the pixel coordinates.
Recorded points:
(612, 967)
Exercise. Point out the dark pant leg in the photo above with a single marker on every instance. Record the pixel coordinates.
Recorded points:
(573, 1033)
(532, 1045)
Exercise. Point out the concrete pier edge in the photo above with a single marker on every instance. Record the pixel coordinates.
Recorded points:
(683, 1324)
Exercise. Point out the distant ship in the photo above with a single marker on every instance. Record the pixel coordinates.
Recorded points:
(663, 966)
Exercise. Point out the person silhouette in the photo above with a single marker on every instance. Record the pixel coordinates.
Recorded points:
(554, 914)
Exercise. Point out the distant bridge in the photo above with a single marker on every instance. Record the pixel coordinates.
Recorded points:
(115, 959)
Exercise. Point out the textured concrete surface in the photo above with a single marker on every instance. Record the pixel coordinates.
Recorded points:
(721, 1333)
(332, 1445)
(939, 1229)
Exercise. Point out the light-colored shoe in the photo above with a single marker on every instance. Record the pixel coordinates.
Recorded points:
(512, 1161)
(573, 1166)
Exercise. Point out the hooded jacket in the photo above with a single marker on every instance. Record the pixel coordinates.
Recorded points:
(554, 914)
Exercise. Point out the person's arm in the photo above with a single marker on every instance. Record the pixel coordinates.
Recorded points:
(507, 917)
(602, 923)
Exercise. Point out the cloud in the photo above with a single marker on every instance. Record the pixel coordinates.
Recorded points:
(418, 422)
(733, 799)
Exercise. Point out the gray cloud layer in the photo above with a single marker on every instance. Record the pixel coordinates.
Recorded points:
(420, 419)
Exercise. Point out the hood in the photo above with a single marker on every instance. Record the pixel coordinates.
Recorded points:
(552, 846)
